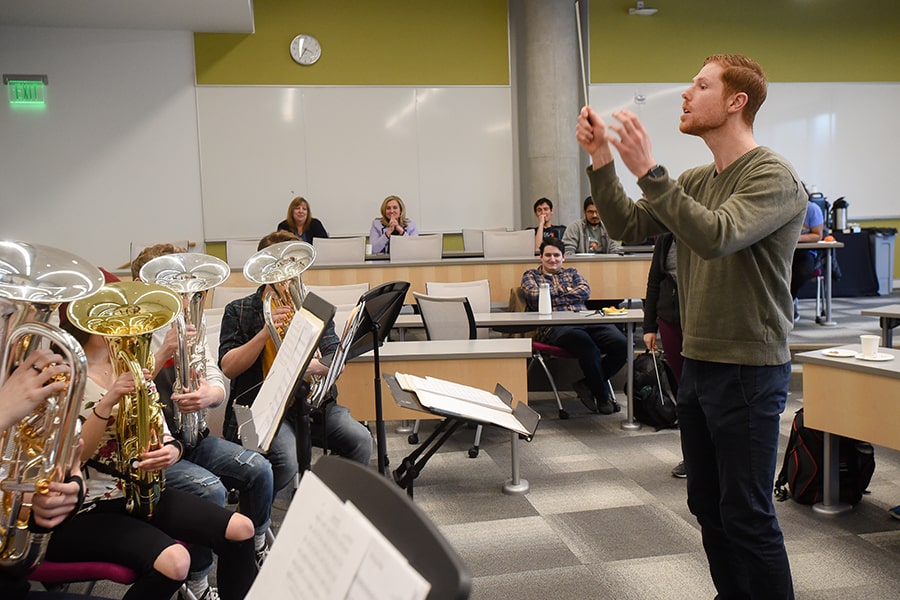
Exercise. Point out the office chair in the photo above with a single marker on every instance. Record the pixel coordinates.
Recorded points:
(508, 244)
(417, 248)
(336, 251)
(237, 252)
(477, 292)
(473, 241)
(446, 318)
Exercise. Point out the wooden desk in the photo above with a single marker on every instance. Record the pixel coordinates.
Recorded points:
(610, 275)
(829, 248)
(479, 363)
(562, 317)
(888, 317)
(853, 398)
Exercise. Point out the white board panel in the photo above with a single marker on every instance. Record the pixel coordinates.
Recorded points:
(446, 151)
(840, 137)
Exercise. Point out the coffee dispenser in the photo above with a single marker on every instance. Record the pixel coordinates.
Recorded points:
(839, 214)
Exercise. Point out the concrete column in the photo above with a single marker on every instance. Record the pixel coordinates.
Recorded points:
(547, 95)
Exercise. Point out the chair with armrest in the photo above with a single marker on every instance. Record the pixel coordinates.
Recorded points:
(509, 244)
(338, 251)
(477, 292)
(417, 248)
(447, 318)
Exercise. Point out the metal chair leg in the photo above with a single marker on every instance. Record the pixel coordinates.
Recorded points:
(538, 357)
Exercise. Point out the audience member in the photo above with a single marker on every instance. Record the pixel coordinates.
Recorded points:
(246, 352)
(301, 223)
(601, 350)
(588, 235)
(543, 211)
(392, 221)
(803, 267)
(661, 311)
(736, 221)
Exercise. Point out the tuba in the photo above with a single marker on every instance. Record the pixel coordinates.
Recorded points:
(127, 314)
(34, 281)
(190, 275)
(280, 266)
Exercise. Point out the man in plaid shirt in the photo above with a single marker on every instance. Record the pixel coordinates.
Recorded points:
(601, 350)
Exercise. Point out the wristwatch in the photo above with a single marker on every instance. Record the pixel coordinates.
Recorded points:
(656, 172)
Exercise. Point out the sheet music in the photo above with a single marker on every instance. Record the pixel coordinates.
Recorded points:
(340, 355)
(327, 550)
(297, 347)
(460, 391)
(460, 407)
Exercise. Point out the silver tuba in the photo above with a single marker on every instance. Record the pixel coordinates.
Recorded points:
(190, 275)
(280, 266)
(126, 314)
(34, 281)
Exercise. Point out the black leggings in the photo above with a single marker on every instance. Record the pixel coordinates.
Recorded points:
(107, 533)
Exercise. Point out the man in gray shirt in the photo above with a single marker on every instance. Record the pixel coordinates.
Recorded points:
(588, 235)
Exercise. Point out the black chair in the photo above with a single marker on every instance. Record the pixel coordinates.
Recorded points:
(403, 523)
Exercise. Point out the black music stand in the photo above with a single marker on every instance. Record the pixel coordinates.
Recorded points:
(383, 304)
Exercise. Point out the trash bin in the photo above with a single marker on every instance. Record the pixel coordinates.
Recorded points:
(881, 242)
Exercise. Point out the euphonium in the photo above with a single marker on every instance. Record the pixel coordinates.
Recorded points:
(190, 275)
(126, 314)
(280, 266)
(34, 280)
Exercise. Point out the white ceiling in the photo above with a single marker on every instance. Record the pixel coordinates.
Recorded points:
(214, 16)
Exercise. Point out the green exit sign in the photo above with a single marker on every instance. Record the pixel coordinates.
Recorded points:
(28, 90)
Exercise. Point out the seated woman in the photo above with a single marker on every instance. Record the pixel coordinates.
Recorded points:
(301, 223)
(105, 531)
(393, 221)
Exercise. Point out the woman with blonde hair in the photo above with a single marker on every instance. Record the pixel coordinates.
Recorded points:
(393, 221)
(301, 223)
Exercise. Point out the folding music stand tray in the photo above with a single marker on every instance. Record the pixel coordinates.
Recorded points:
(383, 304)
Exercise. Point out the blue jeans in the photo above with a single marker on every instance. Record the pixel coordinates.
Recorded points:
(729, 418)
(346, 437)
(214, 467)
(601, 351)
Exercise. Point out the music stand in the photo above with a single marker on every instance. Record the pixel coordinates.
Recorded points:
(382, 305)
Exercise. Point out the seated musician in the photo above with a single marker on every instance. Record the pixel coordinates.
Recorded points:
(213, 465)
(105, 531)
(246, 352)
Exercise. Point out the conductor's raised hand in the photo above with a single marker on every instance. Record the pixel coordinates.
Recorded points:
(633, 143)
(593, 137)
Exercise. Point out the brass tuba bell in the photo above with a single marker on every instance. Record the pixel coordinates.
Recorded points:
(190, 275)
(280, 266)
(34, 281)
(126, 314)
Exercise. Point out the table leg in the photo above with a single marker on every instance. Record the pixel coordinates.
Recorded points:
(515, 486)
(829, 257)
(831, 497)
(887, 331)
(629, 423)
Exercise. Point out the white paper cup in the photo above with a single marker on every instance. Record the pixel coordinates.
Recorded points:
(368, 248)
(869, 345)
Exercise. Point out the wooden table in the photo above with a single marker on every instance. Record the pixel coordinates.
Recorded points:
(610, 275)
(888, 317)
(853, 398)
(480, 363)
(561, 317)
(829, 248)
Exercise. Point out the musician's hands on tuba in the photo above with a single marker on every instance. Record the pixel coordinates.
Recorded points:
(30, 385)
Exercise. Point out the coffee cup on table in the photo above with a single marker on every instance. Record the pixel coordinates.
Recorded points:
(869, 345)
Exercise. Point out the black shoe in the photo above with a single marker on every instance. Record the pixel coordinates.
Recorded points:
(584, 394)
(678, 471)
(608, 407)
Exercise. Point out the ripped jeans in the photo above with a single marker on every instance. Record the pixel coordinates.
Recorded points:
(216, 466)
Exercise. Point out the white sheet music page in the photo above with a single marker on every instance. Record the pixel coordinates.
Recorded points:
(296, 348)
(327, 550)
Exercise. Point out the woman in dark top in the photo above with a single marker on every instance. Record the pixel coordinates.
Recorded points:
(301, 223)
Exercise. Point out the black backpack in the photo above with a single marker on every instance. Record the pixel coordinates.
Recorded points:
(655, 391)
(802, 473)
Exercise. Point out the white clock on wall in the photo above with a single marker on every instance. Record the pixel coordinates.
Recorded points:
(305, 49)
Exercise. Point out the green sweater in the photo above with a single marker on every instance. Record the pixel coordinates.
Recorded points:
(736, 233)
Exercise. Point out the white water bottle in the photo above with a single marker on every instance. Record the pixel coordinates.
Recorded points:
(544, 306)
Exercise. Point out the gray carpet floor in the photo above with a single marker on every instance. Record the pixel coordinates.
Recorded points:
(604, 518)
